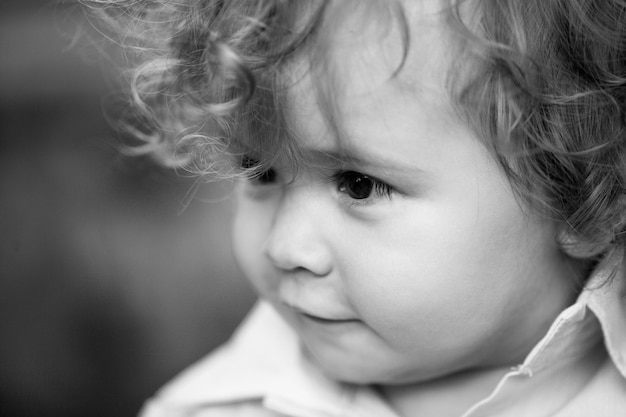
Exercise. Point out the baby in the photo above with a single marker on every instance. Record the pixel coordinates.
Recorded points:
(429, 200)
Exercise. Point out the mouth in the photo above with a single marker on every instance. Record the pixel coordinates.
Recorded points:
(322, 320)
(319, 318)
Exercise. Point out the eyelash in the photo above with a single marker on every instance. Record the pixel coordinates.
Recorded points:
(254, 175)
(367, 187)
(374, 188)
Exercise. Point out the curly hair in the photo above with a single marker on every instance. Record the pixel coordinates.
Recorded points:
(542, 82)
(550, 95)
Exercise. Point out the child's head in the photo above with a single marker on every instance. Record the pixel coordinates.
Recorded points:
(434, 179)
(399, 252)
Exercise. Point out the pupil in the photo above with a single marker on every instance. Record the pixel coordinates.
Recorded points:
(359, 186)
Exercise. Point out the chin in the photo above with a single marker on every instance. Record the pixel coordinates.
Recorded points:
(349, 369)
(352, 376)
(369, 376)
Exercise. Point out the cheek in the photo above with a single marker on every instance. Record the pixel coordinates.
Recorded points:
(249, 230)
(450, 279)
(415, 307)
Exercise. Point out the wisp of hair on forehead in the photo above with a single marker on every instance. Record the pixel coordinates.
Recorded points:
(269, 124)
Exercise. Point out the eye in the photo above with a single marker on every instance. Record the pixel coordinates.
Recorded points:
(360, 186)
(265, 177)
(257, 175)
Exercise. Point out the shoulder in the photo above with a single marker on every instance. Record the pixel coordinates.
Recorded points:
(603, 396)
(239, 409)
(232, 380)
(260, 351)
(244, 409)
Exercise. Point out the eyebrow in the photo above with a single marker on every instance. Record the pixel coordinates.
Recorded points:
(339, 158)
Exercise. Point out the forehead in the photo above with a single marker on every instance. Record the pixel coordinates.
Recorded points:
(362, 56)
(406, 42)
(365, 56)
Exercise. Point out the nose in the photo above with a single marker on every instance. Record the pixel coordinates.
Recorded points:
(296, 240)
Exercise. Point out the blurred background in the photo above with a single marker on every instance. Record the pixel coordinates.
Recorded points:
(106, 290)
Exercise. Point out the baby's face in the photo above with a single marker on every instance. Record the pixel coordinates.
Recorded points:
(405, 256)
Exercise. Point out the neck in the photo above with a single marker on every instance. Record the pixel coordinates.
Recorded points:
(449, 396)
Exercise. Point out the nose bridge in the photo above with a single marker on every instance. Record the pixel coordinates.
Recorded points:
(297, 236)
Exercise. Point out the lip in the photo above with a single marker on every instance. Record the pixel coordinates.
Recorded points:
(322, 319)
